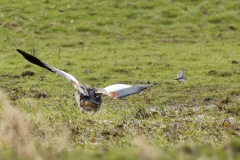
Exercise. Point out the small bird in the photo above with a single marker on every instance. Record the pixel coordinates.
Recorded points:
(181, 77)
(88, 98)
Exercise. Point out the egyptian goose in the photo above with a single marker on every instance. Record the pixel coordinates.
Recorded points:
(88, 98)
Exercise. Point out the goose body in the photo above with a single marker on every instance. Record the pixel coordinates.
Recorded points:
(88, 98)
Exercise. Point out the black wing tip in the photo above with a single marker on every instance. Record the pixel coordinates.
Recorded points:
(21, 51)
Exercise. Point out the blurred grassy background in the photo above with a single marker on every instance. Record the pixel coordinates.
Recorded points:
(132, 42)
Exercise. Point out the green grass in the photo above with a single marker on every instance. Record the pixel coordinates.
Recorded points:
(107, 42)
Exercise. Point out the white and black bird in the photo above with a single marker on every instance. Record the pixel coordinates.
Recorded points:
(181, 77)
(89, 98)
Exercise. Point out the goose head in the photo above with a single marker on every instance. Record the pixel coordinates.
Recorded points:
(90, 101)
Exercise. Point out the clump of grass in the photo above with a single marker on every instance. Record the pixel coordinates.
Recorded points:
(103, 43)
(17, 134)
(144, 149)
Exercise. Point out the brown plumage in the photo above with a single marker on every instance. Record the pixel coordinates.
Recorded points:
(89, 98)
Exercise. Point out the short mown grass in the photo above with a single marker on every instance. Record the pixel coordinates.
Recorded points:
(106, 42)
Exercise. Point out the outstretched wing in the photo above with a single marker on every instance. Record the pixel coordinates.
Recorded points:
(122, 90)
(40, 63)
(181, 74)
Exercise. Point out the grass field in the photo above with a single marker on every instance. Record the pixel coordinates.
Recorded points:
(131, 42)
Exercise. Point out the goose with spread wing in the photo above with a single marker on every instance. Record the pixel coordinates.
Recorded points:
(89, 98)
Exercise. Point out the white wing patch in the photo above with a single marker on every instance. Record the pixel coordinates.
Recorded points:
(69, 77)
(116, 87)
